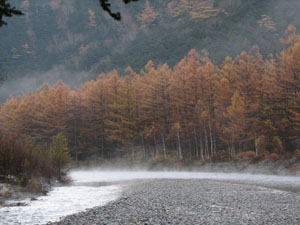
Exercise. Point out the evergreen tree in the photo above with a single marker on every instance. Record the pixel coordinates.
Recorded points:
(59, 153)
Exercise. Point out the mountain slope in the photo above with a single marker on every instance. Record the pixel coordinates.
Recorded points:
(62, 37)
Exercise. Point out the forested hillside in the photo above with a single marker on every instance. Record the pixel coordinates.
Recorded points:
(74, 40)
(196, 109)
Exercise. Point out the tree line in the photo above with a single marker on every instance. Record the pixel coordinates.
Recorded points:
(195, 110)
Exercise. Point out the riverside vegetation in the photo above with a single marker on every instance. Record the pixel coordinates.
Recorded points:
(31, 166)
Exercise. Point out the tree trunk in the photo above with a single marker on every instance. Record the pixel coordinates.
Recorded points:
(164, 147)
(215, 143)
(206, 144)
(179, 145)
(201, 148)
(75, 140)
(211, 139)
(188, 136)
(132, 152)
(155, 146)
(229, 149)
(256, 143)
(143, 141)
(232, 147)
(102, 138)
(196, 144)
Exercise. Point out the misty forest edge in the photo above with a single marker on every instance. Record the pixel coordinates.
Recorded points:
(248, 107)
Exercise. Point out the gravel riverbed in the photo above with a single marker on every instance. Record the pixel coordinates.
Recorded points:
(194, 202)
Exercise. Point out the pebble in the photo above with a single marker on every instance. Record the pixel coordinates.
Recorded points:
(193, 202)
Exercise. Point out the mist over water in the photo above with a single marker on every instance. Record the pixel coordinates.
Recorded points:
(98, 175)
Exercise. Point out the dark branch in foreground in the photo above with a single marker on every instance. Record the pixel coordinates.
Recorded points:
(8, 11)
(106, 7)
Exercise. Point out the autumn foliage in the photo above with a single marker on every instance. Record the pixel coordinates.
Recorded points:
(195, 110)
(22, 162)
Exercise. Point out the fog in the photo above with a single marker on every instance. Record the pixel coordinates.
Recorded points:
(31, 82)
(100, 175)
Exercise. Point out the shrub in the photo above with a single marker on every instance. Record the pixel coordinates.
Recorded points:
(34, 185)
(21, 181)
(273, 156)
(297, 154)
(245, 156)
(59, 153)
(160, 161)
(277, 145)
(20, 162)
(7, 194)
(221, 156)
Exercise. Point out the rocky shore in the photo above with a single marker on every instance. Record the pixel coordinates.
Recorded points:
(194, 202)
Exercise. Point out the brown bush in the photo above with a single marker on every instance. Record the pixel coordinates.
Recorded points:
(273, 156)
(221, 156)
(297, 154)
(245, 156)
(22, 163)
(34, 185)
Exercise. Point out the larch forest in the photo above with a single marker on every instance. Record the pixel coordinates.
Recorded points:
(194, 110)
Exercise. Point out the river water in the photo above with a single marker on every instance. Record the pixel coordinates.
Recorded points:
(96, 187)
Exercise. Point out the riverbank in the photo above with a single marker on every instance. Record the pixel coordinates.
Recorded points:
(194, 202)
(97, 187)
(15, 195)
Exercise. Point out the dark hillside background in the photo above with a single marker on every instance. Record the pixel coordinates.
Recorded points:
(74, 40)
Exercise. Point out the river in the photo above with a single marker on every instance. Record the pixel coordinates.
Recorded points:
(91, 188)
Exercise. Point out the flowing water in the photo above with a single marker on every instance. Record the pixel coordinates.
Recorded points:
(61, 201)
(96, 187)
